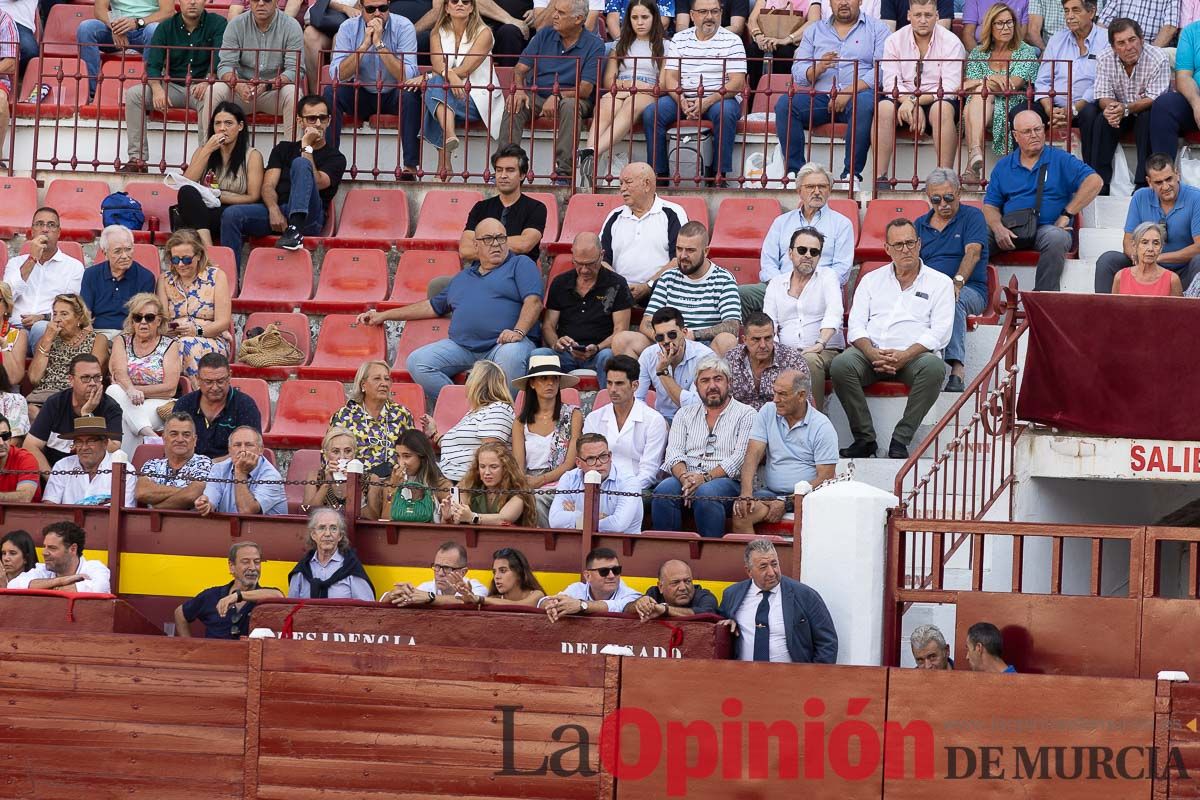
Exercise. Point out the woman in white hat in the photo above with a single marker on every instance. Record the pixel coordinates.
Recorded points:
(545, 440)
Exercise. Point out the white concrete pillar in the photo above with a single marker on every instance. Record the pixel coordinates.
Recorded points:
(844, 555)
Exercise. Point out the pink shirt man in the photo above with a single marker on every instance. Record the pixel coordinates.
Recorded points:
(941, 66)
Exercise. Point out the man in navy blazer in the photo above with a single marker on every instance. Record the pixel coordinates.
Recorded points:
(776, 618)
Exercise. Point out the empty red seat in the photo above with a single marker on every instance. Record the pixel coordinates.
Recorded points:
(147, 255)
(52, 87)
(442, 219)
(256, 389)
(146, 452)
(585, 212)
(20, 200)
(295, 329)
(693, 205)
(343, 345)
(879, 214)
(73, 249)
(350, 280)
(412, 397)
(372, 218)
(417, 268)
(848, 208)
(417, 333)
(223, 257)
(766, 95)
(304, 463)
(78, 205)
(745, 270)
(60, 34)
(451, 406)
(115, 77)
(156, 200)
(275, 280)
(302, 412)
(550, 234)
(741, 224)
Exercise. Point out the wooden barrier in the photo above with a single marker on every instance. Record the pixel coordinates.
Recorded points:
(71, 613)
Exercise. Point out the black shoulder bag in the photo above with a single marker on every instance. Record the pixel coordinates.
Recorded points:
(1024, 222)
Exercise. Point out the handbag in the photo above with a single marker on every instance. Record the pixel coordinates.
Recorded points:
(1024, 221)
(325, 19)
(406, 509)
(270, 349)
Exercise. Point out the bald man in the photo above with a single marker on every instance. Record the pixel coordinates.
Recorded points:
(638, 238)
(494, 305)
(586, 308)
(676, 595)
(1069, 187)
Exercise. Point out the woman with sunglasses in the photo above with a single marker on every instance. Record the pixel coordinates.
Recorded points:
(145, 369)
(195, 294)
(806, 307)
(69, 334)
(461, 55)
(225, 162)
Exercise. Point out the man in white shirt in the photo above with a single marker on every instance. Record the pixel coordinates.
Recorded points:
(638, 238)
(39, 276)
(620, 500)
(63, 566)
(636, 432)
(900, 321)
(449, 570)
(85, 478)
(600, 591)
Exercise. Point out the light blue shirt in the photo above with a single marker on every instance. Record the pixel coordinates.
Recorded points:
(621, 514)
(348, 588)
(1062, 47)
(269, 495)
(837, 253)
(863, 44)
(399, 36)
(793, 453)
(684, 374)
(616, 604)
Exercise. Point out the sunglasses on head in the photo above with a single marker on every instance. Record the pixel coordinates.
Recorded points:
(801, 250)
(662, 337)
(177, 260)
(604, 572)
(143, 317)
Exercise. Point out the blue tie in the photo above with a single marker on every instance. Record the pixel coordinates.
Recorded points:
(762, 629)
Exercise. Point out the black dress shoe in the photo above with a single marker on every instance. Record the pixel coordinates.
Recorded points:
(859, 450)
(954, 384)
(897, 450)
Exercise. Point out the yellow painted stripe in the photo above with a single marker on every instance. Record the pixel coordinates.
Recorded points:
(186, 576)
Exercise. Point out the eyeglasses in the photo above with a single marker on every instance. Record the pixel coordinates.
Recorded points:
(938, 199)
(815, 252)
(907, 244)
(815, 187)
(708, 12)
(120, 251)
(662, 337)
(492, 241)
(185, 260)
(1004, 23)
(375, 9)
(595, 461)
(442, 569)
(90, 378)
(710, 445)
(210, 382)
(235, 621)
(313, 119)
(47, 224)
(143, 317)
(604, 572)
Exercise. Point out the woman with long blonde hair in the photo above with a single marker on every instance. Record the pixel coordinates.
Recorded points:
(145, 368)
(490, 419)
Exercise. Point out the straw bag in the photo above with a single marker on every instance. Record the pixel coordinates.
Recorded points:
(165, 410)
(271, 348)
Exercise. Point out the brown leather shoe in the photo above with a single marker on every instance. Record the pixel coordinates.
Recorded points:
(133, 165)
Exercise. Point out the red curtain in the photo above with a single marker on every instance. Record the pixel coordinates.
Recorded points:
(1112, 365)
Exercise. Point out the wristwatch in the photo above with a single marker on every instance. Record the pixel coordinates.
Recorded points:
(583, 606)
(307, 149)
(474, 518)
(200, 331)
(662, 373)
(141, 23)
(959, 279)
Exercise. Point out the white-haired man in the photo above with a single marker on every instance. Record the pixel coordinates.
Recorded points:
(108, 286)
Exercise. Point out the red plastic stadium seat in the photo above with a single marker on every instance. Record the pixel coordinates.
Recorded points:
(886, 389)
(741, 225)
(304, 463)
(350, 280)
(223, 257)
(144, 453)
(417, 268)
(60, 35)
(990, 315)
(550, 234)
(442, 219)
(372, 218)
(879, 214)
(562, 264)
(73, 249)
(78, 204)
(602, 399)
(745, 270)
(417, 333)
(451, 406)
(257, 390)
(848, 208)
(693, 205)
(343, 344)
(147, 255)
(294, 324)
(65, 80)
(412, 397)
(16, 212)
(585, 212)
(115, 77)
(276, 280)
(302, 412)
(156, 200)
(766, 95)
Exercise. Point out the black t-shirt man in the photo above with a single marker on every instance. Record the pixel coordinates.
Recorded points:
(703, 601)
(213, 440)
(588, 320)
(522, 215)
(328, 159)
(58, 417)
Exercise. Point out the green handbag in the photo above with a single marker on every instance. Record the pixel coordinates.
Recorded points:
(406, 509)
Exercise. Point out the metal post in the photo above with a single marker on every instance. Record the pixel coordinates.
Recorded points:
(354, 479)
(120, 463)
(591, 512)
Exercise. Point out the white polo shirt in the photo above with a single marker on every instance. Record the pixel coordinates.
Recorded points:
(637, 247)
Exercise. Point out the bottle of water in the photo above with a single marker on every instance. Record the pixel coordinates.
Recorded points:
(40, 93)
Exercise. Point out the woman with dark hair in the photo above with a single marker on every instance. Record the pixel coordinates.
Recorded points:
(331, 569)
(17, 555)
(513, 581)
(546, 437)
(225, 163)
(496, 492)
(416, 488)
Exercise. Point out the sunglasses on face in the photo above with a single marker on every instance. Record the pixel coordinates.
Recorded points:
(604, 572)
(186, 260)
(313, 119)
(669, 335)
(815, 252)
(375, 9)
(5, 436)
(143, 317)
(938, 199)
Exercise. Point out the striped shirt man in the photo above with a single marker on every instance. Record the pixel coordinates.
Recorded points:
(689, 441)
(707, 64)
(9, 48)
(708, 299)
(1152, 15)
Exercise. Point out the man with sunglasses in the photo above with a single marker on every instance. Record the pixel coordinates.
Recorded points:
(108, 286)
(601, 590)
(49, 439)
(669, 366)
(900, 321)
(225, 610)
(954, 241)
(40, 275)
(19, 481)
(301, 181)
(449, 572)
(620, 495)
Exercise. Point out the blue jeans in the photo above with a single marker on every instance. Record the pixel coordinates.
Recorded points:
(659, 116)
(1170, 118)
(569, 361)
(795, 115)
(710, 514)
(970, 301)
(435, 365)
(437, 94)
(357, 101)
(252, 219)
(28, 44)
(94, 34)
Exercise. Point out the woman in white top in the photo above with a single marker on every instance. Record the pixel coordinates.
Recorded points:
(806, 305)
(489, 420)
(461, 57)
(632, 74)
(547, 439)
